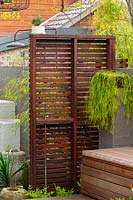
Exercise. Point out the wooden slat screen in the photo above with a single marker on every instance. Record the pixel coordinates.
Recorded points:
(57, 166)
(91, 57)
(60, 70)
(121, 63)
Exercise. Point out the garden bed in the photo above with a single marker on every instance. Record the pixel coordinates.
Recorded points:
(72, 197)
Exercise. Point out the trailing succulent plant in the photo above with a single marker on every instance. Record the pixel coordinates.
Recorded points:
(107, 90)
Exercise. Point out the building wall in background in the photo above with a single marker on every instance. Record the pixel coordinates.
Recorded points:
(12, 21)
(15, 58)
(85, 23)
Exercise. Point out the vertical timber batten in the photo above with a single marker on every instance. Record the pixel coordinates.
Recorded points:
(111, 53)
(32, 111)
(74, 111)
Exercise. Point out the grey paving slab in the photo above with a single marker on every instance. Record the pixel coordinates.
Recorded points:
(73, 197)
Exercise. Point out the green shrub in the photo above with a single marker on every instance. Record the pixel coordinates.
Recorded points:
(62, 191)
(44, 193)
(37, 193)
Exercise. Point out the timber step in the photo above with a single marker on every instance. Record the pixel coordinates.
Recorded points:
(107, 173)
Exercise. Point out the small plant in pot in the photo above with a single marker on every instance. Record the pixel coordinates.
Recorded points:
(36, 28)
(37, 20)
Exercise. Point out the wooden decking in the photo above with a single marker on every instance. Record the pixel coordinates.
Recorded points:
(107, 173)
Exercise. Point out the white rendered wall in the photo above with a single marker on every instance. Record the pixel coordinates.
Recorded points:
(7, 134)
(7, 109)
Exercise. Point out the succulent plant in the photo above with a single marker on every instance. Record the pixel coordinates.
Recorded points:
(37, 20)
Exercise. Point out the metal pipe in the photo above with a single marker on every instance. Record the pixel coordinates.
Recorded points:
(15, 43)
(20, 30)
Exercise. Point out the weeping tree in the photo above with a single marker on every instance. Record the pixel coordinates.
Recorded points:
(112, 18)
(130, 9)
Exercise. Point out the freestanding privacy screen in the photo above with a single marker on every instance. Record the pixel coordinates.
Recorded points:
(61, 67)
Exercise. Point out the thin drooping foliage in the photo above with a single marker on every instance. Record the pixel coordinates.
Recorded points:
(17, 90)
(107, 90)
(112, 18)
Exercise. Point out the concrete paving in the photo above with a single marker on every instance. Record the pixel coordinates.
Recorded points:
(72, 197)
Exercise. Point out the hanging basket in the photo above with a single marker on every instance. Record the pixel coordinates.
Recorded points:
(13, 5)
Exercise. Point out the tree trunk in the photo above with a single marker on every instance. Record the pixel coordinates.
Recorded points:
(130, 9)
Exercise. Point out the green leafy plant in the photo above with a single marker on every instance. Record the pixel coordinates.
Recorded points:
(118, 198)
(107, 90)
(37, 193)
(6, 174)
(79, 184)
(17, 90)
(112, 18)
(5, 170)
(62, 191)
(37, 20)
(44, 193)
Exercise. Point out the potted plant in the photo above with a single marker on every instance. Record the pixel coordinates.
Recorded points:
(107, 90)
(36, 28)
(7, 178)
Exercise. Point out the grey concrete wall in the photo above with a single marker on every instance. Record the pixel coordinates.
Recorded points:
(7, 74)
(120, 137)
(123, 131)
(130, 126)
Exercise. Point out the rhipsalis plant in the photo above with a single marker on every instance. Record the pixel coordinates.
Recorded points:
(107, 90)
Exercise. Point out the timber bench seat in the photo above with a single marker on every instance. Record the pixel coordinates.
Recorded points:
(107, 173)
